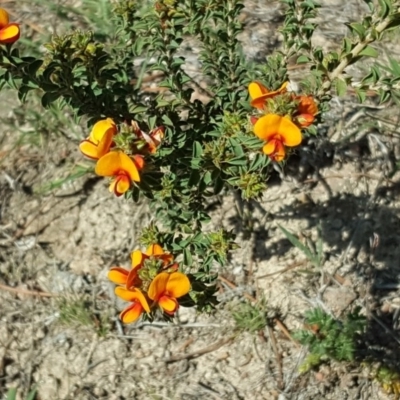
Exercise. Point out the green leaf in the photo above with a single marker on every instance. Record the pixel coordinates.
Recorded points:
(358, 29)
(167, 121)
(347, 45)
(34, 66)
(22, 93)
(187, 257)
(395, 66)
(12, 394)
(302, 59)
(138, 109)
(341, 87)
(238, 161)
(361, 94)
(218, 185)
(197, 150)
(296, 242)
(260, 161)
(194, 178)
(32, 394)
(369, 51)
(49, 98)
(385, 8)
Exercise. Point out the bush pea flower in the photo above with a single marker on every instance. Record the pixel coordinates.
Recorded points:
(9, 33)
(148, 142)
(154, 250)
(306, 111)
(131, 279)
(138, 304)
(279, 132)
(124, 170)
(259, 94)
(166, 288)
(100, 139)
(153, 139)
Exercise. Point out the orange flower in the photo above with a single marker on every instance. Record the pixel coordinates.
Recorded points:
(306, 111)
(149, 142)
(259, 93)
(278, 132)
(9, 33)
(100, 139)
(154, 138)
(122, 168)
(253, 119)
(131, 279)
(166, 288)
(135, 310)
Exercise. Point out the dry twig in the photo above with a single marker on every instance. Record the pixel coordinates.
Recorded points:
(200, 352)
(27, 292)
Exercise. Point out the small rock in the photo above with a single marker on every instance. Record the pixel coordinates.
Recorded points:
(339, 298)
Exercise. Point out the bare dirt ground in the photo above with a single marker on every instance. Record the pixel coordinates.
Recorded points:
(56, 249)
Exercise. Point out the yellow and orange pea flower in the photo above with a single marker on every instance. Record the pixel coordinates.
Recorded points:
(166, 288)
(100, 139)
(152, 140)
(306, 111)
(9, 33)
(279, 132)
(164, 291)
(259, 94)
(138, 306)
(130, 279)
(123, 169)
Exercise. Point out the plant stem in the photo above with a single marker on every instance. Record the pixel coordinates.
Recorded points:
(353, 54)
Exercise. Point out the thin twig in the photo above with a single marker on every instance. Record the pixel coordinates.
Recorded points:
(385, 328)
(233, 286)
(353, 54)
(288, 268)
(278, 357)
(27, 292)
(285, 331)
(200, 352)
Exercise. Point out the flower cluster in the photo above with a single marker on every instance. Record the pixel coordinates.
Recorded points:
(283, 115)
(9, 32)
(120, 151)
(152, 283)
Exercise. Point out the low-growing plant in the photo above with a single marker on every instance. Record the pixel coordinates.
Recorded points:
(12, 394)
(313, 252)
(329, 339)
(75, 311)
(388, 379)
(250, 317)
(177, 151)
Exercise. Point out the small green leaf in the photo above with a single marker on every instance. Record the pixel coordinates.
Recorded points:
(49, 98)
(218, 185)
(197, 150)
(138, 109)
(296, 242)
(369, 51)
(361, 94)
(385, 6)
(341, 87)
(395, 66)
(302, 59)
(358, 29)
(34, 66)
(187, 257)
(167, 120)
(347, 45)
(12, 394)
